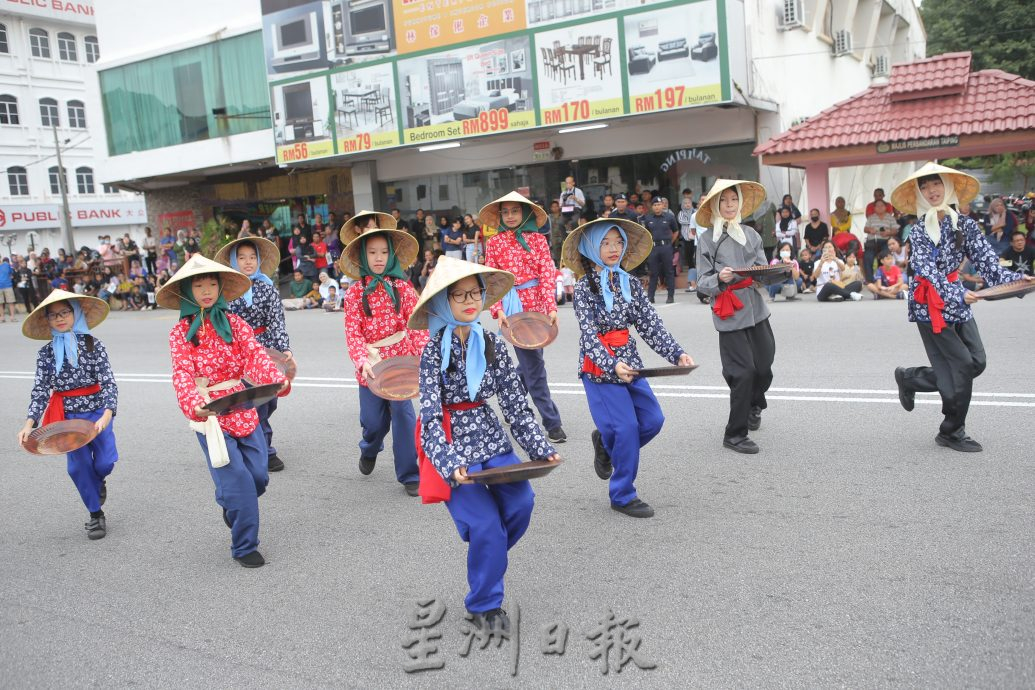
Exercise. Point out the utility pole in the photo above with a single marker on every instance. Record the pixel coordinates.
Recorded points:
(66, 213)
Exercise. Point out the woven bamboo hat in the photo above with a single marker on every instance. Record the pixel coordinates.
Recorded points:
(449, 270)
(904, 196)
(638, 249)
(351, 230)
(269, 255)
(751, 195)
(234, 283)
(490, 213)
(37, 327)
(406, 250)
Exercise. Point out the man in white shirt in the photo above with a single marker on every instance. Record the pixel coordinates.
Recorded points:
(572, 201)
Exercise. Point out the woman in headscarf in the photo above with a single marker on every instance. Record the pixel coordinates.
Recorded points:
(460, 369)
(212, 350)
(74, 381)
(607, 303)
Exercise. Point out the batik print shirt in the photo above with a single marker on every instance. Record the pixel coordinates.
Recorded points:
(267, 311)
(935, 262)
(218, 361)
(503, 251)
(94, 367)
(594, 319)
(477, 433)
(361, 329)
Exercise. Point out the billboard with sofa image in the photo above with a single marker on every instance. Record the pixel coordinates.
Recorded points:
(673, 57)
(303, 120)
(579, 72)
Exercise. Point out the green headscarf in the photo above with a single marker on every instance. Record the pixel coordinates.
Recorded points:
(392, 268)
(216, 313)
(527, 225)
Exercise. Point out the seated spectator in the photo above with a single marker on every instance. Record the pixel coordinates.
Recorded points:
(110, 289)
(851, 272)
(326, 283)
(805, 268)
(816, 232)
(1019, 256)
(332, 300)
(136, 300)
(828, 275)
(887, 281)
(79, 287)
(150, 288)
(788, 288)
(299, 287)
(970, 278)
(899, 252)
(312, 299)
(1001, 225)
(840, 218)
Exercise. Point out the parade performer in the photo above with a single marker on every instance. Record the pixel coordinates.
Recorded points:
(739, 313)
(607, 303)
(377, 307)
(74, 381)
(263, 310)
(519, 248)
(939, 304)
(365, 220)
(461, 368)
(212, 350)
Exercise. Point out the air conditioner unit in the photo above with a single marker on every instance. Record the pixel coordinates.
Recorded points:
(792, 15)
(842, 42)
(882, 66)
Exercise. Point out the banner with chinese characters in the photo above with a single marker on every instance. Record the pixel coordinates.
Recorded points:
(430, 24)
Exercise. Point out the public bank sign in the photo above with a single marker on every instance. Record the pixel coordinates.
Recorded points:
(84, 215)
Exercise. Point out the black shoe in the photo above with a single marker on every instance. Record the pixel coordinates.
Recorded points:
(251, 560)
(275, 463)
(96, 528)
(411, 488)
(634, 508)
(104, 491)
(741, 445)
(226, 519)
(703, 298)
(670, 300)
(495, 619)
(366, 465)
(962, 443)
(906, 397)
(557, 435)
(755, 419)
(601, 460)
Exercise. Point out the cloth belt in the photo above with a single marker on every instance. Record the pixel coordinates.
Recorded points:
(661, 243)
(373, 356)
(511, 300)
(259, 331)
(433, 488)
(926, 294)
(726, 303)
(609, 340)
(55, 411)
(214, 439)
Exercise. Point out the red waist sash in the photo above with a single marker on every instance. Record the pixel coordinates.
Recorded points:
(259, 331)
(610, 341)
(433, 488)
(55, 411)
(726, 303)
(926, 294)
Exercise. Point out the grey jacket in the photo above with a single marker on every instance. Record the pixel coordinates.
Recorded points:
(710, 262)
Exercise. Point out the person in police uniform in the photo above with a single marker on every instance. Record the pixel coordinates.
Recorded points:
(663, 228)
(622, 210)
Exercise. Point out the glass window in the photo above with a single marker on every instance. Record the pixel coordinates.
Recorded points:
(84, 180)
(66, 47)
(39, 43)
(18, 181)
(93, 49)
(4, 47)
(76, 114)
(170, 99)
(109, 189)
(49, 112)
(8, 109)
(55, 180)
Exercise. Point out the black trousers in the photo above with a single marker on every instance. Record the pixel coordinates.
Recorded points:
(747, 365)
(661, 265)
(830, 289)
(957, 358)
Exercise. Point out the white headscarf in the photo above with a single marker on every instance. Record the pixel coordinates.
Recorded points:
(930, 213)
(732, 227)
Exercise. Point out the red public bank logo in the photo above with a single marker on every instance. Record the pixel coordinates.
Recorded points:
(28, 217)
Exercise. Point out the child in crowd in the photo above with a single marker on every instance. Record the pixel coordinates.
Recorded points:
(568, 280)
(888, 282)
(333, 301)
(805, 266)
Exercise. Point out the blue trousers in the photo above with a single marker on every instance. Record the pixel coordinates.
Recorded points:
(89, 465)
(628, 416)
(239, 485)
(532, 370)
(376, 416)
(774, 290)
(491, 519)
(265, 412)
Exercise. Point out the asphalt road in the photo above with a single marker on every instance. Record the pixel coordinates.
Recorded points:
(852, 551)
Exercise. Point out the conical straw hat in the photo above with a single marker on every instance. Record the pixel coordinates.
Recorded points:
(449, 270)
(639, 246)
(37, 327)
(406, 250)
(234, 283)
(904, 196)
(490, 213)
(751, 194)
(349, 230)
(269, 255)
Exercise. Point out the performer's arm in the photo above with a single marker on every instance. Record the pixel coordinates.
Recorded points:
(591, 345)
(407, 301)
(184, 373)
(106, 379)
(42, 386)
(492, 246)
(277, 327)
(355, 341)
(432, 435)
(707, 269)
(257, 364)
(651, 328)
(513, 400)
(983, 257)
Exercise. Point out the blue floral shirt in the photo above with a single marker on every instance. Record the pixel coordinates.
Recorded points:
(935, 263)
(477, 433)
(267, 311)
(94, 367)
(594, 319)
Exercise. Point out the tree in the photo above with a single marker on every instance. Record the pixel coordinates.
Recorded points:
(997, 32)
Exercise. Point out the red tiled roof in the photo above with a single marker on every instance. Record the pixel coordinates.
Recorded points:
(991, 101)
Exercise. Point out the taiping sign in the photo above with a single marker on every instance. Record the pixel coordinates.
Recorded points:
(684, 155)
(84, 215)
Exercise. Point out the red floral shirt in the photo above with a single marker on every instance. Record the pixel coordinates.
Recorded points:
(218, 361)
(361, 329)
(502, 251)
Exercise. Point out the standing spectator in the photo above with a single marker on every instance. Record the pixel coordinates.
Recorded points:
(431, 234)
(443, 228)
(878, 195)
(787, 228)
(132, 252)
(150, 247)
(816, 232)
(607, 205)
(334, 248)
(572, 201)
(1018, 256)
(453, 240)
(25, 287)
(427, 267)
(304, 228)
(319, 251)
(557, 230)
(472, 239)
(7, 299)
(318, 225)
(788, 203)
(306, 256)
(840, 218)
(688, 235)
(1001, 224)
(664, 230)
(827, 274)
(191, 246)
(880, 225)
(400, 224)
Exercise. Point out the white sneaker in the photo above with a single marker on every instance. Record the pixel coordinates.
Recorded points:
(856, 297)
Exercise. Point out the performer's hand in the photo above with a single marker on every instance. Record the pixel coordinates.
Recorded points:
(727, 275)
(686, 360)
(624, 372)
(556, 457)
(202, 413)
(284, 385)
(290, 357)
(460, 476)
(553, 318)
(503, 321)
(23, 433)
(103, 421)
(368, 371)
(970, 298)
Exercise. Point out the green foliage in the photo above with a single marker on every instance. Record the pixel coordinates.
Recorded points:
(214, 234)
(997, 32)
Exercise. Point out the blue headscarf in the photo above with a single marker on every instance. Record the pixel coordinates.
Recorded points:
(258, 275)
(589, 247)
(66, 347)
(440, 318)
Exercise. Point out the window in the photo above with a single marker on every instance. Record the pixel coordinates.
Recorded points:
(109, 189)
(4, 47)
(55, 180)
(93, 49)
(84, 180)
(39, 43)
(8, 110)
(49, 113)
(18, 181)
(76, 115)
(66, 47)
